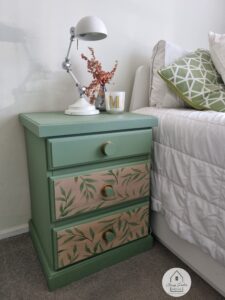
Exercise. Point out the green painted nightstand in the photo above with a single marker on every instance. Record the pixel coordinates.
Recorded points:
(89, 186)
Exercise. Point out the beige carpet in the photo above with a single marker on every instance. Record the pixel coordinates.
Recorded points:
(138, 278)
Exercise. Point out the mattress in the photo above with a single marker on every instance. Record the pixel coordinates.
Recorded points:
(188, 175)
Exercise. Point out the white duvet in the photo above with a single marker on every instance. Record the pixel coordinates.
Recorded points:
(188, 175)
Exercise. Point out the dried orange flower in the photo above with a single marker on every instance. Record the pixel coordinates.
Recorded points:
(100, 77)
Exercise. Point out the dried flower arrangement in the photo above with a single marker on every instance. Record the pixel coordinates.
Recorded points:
(100, 77)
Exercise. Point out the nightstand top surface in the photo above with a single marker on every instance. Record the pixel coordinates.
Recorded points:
(46, 124)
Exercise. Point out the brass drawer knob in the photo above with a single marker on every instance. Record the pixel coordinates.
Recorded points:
(108, 148)
(107, 191)
(109, 235)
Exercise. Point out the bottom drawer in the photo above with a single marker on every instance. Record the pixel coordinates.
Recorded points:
(78, 242)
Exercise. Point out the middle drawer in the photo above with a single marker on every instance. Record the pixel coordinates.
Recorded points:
(86, 192)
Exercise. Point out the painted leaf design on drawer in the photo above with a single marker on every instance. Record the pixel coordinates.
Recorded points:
(87, 187)
(76, 195)
(66, 201)
(85, 240)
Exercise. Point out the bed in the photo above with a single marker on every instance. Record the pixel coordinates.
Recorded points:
(188, 183)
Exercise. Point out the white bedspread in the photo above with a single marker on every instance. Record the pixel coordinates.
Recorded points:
(188, 175)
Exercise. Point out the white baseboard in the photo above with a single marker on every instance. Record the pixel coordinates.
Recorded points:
(13, 231)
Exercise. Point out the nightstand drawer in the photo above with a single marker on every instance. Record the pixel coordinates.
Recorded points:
(81, 193)
(78, 242)
(68, 151)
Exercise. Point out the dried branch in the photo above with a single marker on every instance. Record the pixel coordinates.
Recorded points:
(100, 77)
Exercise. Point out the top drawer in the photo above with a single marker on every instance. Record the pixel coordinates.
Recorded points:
(68, 151)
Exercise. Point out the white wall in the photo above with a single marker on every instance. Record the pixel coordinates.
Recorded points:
(33, 42)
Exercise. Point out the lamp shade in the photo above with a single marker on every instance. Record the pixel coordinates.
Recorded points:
(90, 28)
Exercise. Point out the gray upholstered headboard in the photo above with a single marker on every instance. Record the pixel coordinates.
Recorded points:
(140, 93)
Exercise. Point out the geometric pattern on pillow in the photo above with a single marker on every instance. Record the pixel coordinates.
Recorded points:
(195, 79)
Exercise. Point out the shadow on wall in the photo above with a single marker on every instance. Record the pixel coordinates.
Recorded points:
(10, 34)
(14, 62)
(20, 73)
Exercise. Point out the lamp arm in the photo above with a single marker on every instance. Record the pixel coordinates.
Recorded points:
(81, 88)
(72, 38)
(67, 63)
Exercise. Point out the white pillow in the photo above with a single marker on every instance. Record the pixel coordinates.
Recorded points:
(217, 51)
(164, 53)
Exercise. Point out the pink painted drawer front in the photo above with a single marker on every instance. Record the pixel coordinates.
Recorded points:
(82, 241)
(83, 193)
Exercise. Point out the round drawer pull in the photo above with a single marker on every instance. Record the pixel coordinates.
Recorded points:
(109, 236)
(108, 148)
(107, 191)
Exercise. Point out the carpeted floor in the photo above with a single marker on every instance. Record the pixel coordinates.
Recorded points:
(138, 278)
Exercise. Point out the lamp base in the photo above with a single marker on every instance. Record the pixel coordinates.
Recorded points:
(81, 108)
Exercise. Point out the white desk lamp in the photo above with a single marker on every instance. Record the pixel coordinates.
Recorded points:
(89, 28)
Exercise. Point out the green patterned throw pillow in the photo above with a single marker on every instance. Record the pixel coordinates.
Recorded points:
(196, 81)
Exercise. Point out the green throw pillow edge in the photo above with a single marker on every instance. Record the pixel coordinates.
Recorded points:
(179, 94)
